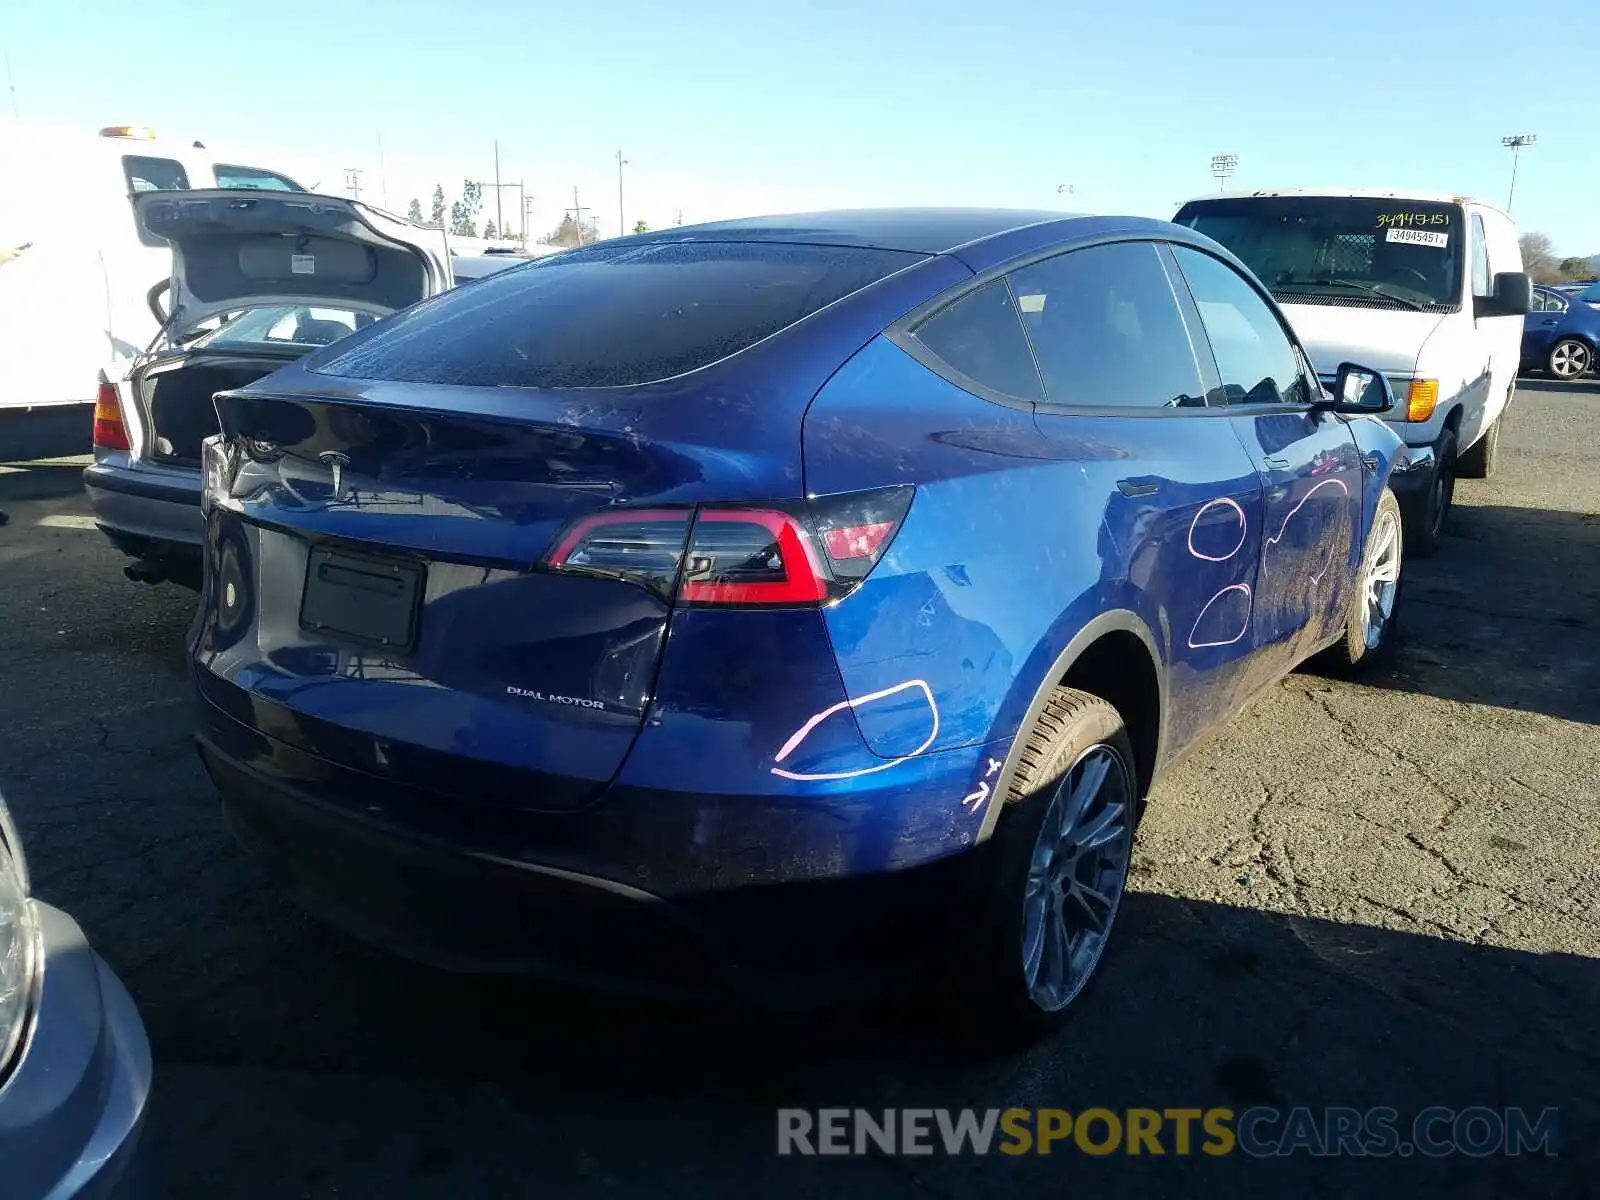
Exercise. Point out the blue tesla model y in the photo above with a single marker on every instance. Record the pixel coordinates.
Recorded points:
(775, 604)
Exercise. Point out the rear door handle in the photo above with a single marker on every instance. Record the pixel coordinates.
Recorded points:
(1277, 464)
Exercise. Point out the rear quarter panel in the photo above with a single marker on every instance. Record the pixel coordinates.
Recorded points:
(999, 562)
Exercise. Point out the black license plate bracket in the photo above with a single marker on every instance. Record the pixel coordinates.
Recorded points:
(371, 599)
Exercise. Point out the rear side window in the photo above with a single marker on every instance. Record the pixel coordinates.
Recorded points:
(145, 174)
(611, 316)
(154, 174)
(1107, 330)
(980, 337)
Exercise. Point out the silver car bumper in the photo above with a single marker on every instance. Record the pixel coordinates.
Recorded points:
(73, 1107)
(156, 505)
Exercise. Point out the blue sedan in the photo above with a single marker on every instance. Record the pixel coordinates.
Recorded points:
(1560, 335)
(780, 603)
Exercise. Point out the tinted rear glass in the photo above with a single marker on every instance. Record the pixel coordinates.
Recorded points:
(610, 316)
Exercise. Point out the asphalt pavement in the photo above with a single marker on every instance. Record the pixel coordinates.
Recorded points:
(1381, 894)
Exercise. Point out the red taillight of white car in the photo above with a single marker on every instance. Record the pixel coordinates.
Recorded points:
(740, 556)
(109, 431)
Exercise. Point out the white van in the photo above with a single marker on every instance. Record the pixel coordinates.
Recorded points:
(1428, 289)
(76, 270)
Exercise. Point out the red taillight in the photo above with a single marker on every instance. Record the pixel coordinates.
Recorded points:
(751, 556)
(856, 541)
(725, 555)
(109, 431)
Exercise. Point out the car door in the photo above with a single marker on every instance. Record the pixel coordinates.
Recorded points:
(1310, 466)
(1124, 397)
(1540, 324)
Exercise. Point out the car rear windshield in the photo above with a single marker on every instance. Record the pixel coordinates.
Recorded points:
(611, 316)
(1343, 250)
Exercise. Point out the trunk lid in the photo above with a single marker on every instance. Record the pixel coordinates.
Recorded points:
(382, 547)
(277, 275)
(246, 248)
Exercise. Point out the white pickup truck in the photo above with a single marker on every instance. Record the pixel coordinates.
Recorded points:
(1429, 289)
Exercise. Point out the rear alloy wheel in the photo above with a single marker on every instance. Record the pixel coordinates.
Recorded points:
(1055, 869)
(1426, 528)
(1569, 359)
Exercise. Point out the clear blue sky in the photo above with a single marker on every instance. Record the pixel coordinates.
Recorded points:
(726, 107)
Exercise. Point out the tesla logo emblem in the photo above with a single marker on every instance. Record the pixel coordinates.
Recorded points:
(336, 463)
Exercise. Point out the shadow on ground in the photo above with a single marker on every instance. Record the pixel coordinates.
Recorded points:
(40, 481)
(51, 432)
(1576, 387)
(1508, 615)
(530, 1089)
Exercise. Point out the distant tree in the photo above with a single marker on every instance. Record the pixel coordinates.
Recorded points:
(414, 211)
(570, 233)
(464, 212)
(640, 227)
(436, 216)
(1575, 268)
(1538, 258)
(489, 231)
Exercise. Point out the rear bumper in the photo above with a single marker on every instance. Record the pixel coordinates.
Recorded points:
(495, 889)
(159, 509)
(73, 1109)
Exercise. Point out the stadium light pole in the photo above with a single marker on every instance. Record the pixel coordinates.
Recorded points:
(1516, 143)
(1222, 166)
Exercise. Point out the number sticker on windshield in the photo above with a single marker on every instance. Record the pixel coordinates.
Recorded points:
(1413, 220)
(1418, 237)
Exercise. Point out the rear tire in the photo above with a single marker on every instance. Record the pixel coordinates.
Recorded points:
(1050, 879)
(1479, 461)
(1372, 612)
(1569, 359)
(1425, 530)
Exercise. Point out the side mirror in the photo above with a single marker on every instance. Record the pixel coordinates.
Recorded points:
(1358, 391)
(1513, 296)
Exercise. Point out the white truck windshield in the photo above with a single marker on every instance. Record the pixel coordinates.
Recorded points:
(1356, 251)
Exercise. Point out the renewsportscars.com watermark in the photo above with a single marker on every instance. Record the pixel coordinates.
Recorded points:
(1259, 1132)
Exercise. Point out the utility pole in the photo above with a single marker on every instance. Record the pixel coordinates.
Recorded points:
(622, 228)
(576, 212)
(383, 174)
(499, 217)
(1517, 143)
(11, 86)
(352, 181)
(527, 211)
(1222, 166)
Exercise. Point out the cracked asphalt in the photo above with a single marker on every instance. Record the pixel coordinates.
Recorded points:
(1384, 894)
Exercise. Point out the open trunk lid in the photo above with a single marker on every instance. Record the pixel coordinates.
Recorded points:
(246, 248)
(279, 275)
